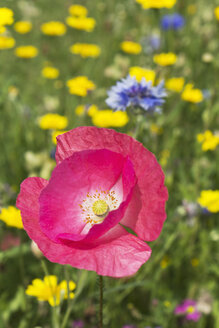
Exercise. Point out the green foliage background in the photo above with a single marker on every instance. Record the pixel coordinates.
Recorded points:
(148, 298)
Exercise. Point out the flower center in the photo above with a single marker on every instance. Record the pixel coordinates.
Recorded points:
(100, 207)
(96, 206)
(190, 309)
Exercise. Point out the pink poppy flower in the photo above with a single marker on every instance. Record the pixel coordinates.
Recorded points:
(103, 181)
(189, 309)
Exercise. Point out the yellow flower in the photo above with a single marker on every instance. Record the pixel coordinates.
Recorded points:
(56, 134)
(83, 109)
(77, 10)
(26, 51)
(141, 73)
(81, 23)
(50, 72)
(195, 262)
(53, 121)
(130, 47)
(165, 59)
(49, 290)
(165, 262)
(23, 27)
(192, 95)
(80, 110)
(210, 200)
(53, 28)
(175, 84)
(164, 156)
(6, 16)
(85, 50)
(147, 4)
(190, 309)
(80, 86)
(167, 304)
(155, 129)
(92, 110)
(13, 92)
(108, 118)
(216, 11)
(2, 29)
(6, 42)
(209, 140)
(12, 217)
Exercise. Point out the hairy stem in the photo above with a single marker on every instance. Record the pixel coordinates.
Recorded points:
(101, 302)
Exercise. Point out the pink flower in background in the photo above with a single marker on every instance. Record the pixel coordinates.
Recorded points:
(78, 324)
(189, 309)
(104, 181)
(8, 241)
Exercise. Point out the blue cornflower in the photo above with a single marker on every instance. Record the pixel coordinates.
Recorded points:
(206, 93)
(151, 43)
(155, 42)
(128, 93)
(205, 211)
(174, 21)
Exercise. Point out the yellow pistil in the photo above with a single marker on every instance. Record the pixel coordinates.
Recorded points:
(190, 309)
(96, 206)
(100, 207)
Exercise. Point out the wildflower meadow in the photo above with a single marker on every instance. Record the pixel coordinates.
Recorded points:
(109, 181)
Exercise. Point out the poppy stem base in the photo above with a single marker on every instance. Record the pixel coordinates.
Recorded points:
(100, 302)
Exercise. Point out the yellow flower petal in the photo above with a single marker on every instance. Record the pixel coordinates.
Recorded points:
(131, 47)
(108, 118)
(50, 72)
(49, 290)
(6, 16)
(85, 50)
(141, 73)
(53, 28)
(6, 42)
(77, 10)
(210, 200)
(23, 27)
(165, 59)
(175, 84)
(26, 51)
(53, 121)
(81, 23)
(12, 217)
(80, 86)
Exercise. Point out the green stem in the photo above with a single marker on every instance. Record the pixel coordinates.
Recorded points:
(67, 315)
(70, 304)
(138, 126)
(55, 317)
(55, 309)
(66, 273)
(21, 260)
(44, 267)
(21, 268)
(101, 302)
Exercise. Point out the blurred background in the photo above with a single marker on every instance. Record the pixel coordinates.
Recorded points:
(44, 46)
